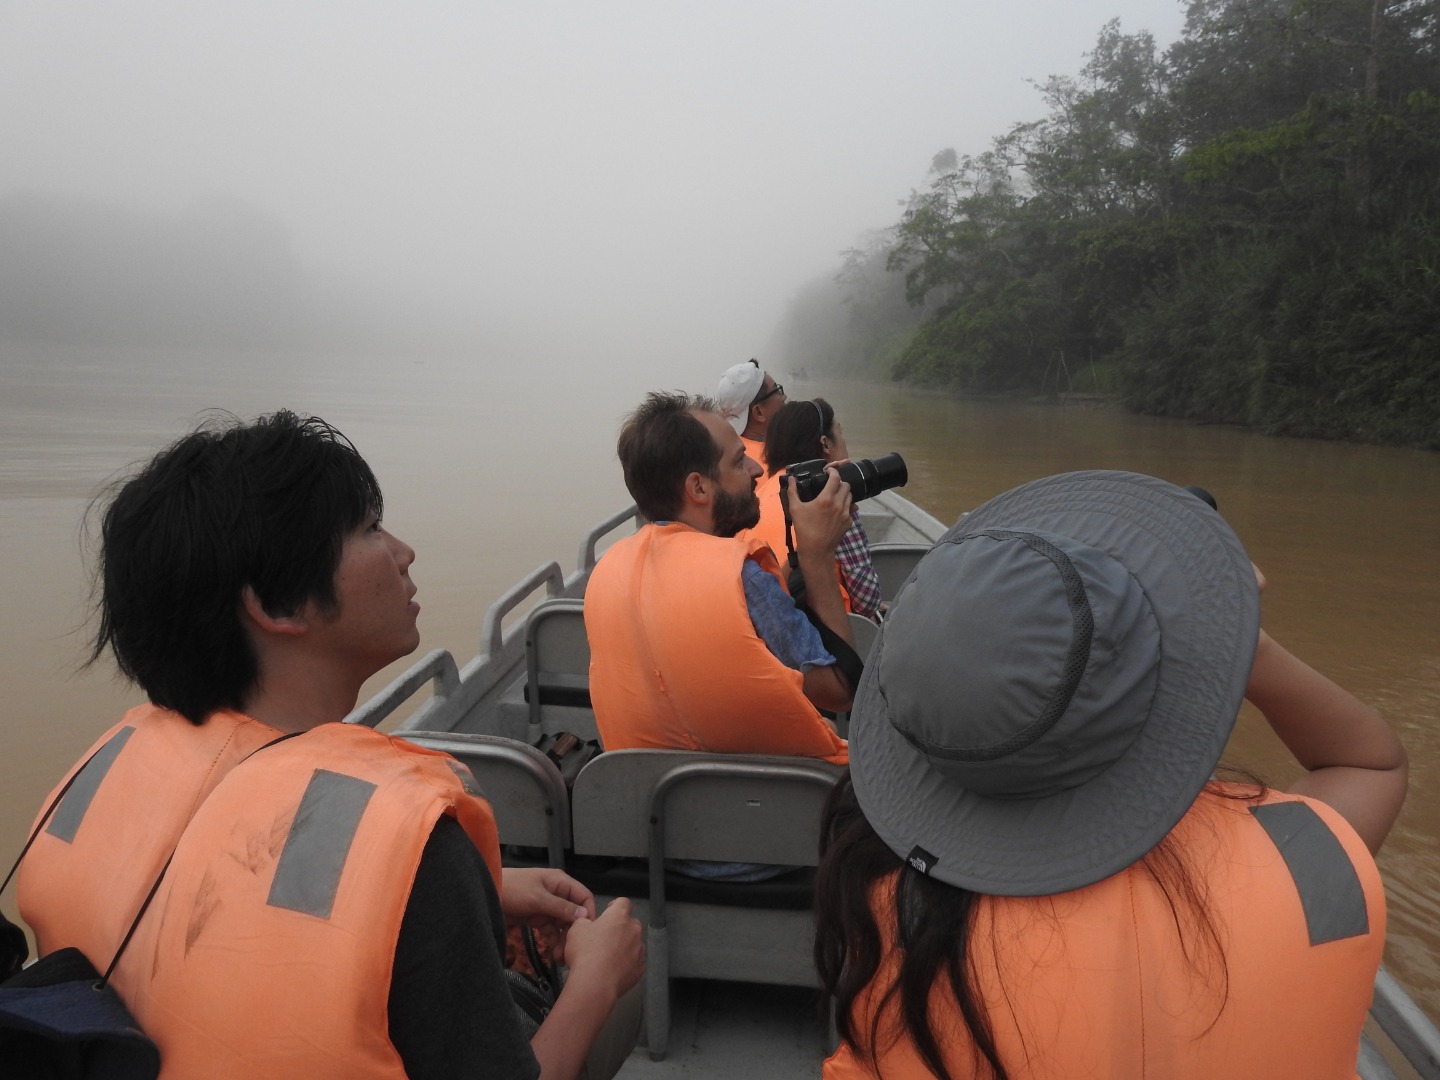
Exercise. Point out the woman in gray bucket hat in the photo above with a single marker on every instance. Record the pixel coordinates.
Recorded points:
(1031, 870)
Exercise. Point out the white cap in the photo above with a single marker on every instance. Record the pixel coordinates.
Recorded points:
(739, 387)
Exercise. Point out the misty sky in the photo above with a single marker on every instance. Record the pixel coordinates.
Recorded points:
(665, 172)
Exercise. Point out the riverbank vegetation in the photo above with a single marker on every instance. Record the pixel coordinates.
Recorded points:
(1241, 228)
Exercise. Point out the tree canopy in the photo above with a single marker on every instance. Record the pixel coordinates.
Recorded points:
(1243, 227)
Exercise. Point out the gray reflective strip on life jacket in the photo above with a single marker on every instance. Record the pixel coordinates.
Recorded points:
(465, 776)
(308, 873)
(67, 816)
(1330, 890)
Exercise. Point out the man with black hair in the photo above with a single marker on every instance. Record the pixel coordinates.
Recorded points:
(335, 904)
(695, 642)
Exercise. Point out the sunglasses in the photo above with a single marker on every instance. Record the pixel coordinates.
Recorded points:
(778, 388)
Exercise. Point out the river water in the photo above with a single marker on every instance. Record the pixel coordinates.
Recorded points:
(492, 467)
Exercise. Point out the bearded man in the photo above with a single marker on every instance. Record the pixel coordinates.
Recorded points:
(695, 642)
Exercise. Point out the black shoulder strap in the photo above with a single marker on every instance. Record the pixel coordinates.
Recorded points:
(46, 815)
(105, 979)
(14, 949)
(792, 559)
(153, 888)
(846, 658)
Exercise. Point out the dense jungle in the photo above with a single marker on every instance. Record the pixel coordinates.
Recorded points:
(1241, 228)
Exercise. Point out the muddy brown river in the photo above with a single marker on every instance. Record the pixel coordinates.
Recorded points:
(492, 466)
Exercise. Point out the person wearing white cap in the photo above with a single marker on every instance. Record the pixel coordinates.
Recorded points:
(747, 398)
(1032, 870)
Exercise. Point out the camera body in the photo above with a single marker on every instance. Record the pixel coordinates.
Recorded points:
(866, 476)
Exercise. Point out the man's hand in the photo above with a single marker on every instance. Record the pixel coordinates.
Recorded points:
(610, 948)
(821, 522)
(607, 958)
(547, 899)
(819, 525)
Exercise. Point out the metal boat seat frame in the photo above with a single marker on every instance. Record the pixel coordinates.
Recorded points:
(557, 670)
(663, 804)
(894, 563)
(525, 790)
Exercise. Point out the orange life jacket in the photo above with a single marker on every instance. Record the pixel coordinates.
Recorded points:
(269, 946)
(674, 658)
(1094, 983)
(147, 775)
(755, 450)
(772, 529)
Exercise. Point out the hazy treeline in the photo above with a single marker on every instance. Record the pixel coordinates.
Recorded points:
(221, 273)
(1244, 227)
(72, 270)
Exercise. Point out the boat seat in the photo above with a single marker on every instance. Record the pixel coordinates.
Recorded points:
(664, 804)
(571, 691)
(557, 670)
(617, 876)
(894, 563)
(865, 631)
(524, 788)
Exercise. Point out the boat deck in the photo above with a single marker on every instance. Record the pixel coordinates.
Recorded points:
(720, 1028)
(725, 1029)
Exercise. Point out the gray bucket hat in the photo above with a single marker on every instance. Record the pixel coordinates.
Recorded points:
(1055, 684)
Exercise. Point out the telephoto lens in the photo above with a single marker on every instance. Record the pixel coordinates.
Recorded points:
(866, 476)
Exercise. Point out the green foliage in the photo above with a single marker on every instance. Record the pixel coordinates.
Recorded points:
(1008, 341)
(1243, 228)
(1335, 344)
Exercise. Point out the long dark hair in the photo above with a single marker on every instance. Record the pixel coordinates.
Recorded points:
(933, 924)
(795, 431)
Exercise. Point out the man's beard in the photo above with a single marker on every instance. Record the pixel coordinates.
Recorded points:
(735, 512)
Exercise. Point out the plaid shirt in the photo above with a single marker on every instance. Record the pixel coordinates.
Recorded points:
(856, 569)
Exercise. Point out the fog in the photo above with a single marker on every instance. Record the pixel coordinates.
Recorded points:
(634, 179)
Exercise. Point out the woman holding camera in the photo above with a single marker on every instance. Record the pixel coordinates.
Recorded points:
(808, 431)
(1031, 870)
